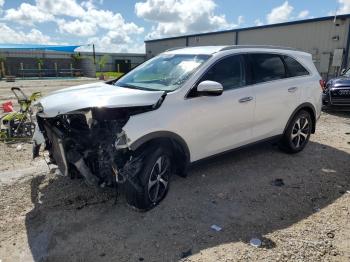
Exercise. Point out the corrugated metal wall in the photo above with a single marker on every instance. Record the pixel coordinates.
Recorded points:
(154, 48)
(320, 38)
(220, 39)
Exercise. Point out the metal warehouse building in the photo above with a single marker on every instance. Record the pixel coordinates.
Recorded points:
(25, 62)
(326, 38)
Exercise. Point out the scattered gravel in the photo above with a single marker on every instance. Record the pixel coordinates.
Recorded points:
(45, 217)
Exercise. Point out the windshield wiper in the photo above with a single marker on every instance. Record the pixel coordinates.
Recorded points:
(134, 87)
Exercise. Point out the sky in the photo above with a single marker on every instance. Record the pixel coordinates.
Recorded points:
(123, 25)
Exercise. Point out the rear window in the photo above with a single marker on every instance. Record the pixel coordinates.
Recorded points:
(267, 67)
(294, 67)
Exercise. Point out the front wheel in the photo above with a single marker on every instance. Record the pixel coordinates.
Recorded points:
(297, 134)
(152, 183)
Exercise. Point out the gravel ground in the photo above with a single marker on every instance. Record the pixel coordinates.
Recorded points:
(45, 217)
(45, 86)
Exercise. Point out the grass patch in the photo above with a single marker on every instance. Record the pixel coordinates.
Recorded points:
(109, 74)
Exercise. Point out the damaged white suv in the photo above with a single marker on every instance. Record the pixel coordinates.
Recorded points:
(179, 107)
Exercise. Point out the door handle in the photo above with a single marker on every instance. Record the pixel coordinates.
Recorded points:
(292, 89)
(245, 99)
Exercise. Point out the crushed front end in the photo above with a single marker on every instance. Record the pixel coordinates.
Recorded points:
(90, 143)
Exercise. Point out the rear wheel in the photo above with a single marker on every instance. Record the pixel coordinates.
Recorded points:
(297, 133)
(152, 183)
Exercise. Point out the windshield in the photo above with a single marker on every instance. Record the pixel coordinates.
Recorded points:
(164, 72)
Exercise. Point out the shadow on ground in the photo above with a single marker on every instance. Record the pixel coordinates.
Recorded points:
(338, 111)
(72, 222)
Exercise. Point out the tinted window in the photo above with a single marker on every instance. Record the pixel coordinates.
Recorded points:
(294, 67)
(228, 71)
(267, 67)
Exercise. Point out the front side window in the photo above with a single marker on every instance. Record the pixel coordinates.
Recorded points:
(294, 67)
(229, 72)
(267, 67)
(163, 73)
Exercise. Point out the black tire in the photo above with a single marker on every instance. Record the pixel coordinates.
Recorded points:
(297, 133)
(154, 175)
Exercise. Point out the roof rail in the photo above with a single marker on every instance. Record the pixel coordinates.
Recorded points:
(258, 46)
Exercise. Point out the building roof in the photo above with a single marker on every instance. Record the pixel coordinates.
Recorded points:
(208, 50)
(59, 48)
(255, 27)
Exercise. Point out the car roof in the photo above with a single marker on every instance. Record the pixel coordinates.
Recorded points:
(209, 50)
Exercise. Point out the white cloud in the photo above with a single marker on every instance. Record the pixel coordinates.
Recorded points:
(77, 27)
(174, 17)
(61, 7)
(27, 14)
(258, 22)
(109, 44)
(241, 20)
(8, 35)
(344, 7)
(89, 4)
(280, 14)
(108, 30)
(2, 2)
(303, 14)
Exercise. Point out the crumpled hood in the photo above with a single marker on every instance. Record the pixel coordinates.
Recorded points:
(95, 95)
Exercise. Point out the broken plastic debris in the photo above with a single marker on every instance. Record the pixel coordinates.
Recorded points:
(186, 253)
(40, 195)
(328, 170)
(19, 147)
(278, 182)
(330, 234)
(255, 242)
(58, 172)
(216, 227)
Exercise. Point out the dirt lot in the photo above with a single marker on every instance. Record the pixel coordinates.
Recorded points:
(52, 218)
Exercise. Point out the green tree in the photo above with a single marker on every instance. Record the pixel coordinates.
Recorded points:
(102, 62)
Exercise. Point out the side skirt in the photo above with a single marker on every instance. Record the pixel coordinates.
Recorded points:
(273, 139)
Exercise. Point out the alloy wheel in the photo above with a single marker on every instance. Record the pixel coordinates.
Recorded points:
(300, 132)
(159, 179)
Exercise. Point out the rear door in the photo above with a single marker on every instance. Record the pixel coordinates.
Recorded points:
(277, 94)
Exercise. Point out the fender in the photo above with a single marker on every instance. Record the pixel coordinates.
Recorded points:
(306, 105)
(163, 134)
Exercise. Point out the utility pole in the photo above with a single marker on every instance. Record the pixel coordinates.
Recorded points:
(93, 53)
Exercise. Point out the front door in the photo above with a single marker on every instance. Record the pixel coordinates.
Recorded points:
(220, 123)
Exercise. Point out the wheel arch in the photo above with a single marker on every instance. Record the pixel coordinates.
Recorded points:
(307, 107)
(174, 141)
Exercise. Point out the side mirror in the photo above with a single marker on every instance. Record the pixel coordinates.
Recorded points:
(342, 72)
(209, 88)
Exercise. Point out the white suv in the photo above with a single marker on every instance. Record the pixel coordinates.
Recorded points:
(177, 108)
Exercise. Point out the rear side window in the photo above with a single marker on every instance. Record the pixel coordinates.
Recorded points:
(267, 67)
(229, 72)
(294, 67)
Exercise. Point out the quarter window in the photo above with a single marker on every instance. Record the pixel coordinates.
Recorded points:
(229, 72)
(267, 67)
(294, 67)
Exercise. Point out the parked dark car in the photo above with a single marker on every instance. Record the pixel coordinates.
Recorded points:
(337, 91)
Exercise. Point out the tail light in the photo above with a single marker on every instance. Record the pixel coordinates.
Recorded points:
(323, 84)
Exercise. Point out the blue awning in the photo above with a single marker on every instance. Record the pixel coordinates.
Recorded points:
(59, 48)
